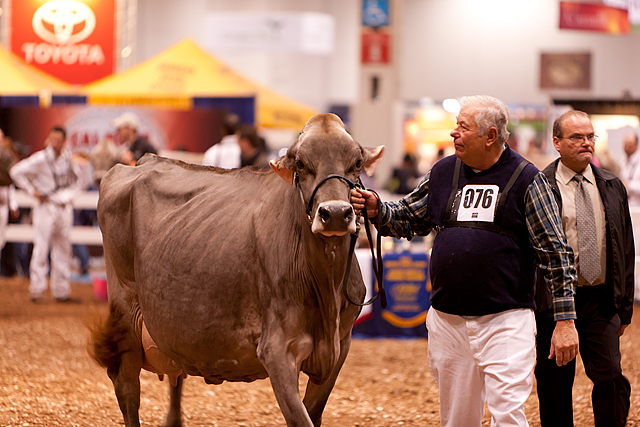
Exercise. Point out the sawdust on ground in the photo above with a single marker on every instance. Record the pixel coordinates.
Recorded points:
(47, 378)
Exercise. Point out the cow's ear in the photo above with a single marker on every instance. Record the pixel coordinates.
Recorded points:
(372, 158)
(285, 173)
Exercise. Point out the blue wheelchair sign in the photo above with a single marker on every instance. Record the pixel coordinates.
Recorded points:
(375, 13)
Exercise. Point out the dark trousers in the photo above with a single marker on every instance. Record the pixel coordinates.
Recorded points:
(598, 328)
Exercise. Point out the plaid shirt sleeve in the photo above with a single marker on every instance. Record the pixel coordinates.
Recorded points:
(555, 256)
(408, 217)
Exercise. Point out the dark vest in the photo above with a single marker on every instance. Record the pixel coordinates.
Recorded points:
(481, 267)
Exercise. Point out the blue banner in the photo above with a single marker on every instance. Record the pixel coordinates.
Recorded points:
(407, 286)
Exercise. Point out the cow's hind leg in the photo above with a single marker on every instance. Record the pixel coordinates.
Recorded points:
(174, 416)
(116, 347)
(316, 395)
(126, 382)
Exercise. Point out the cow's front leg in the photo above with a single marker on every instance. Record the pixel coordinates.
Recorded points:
(316, 395)
(281, 357)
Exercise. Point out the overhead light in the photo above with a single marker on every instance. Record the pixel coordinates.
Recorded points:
(451, 105)
(125, 52)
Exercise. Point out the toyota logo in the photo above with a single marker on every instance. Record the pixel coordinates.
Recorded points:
(59, 22)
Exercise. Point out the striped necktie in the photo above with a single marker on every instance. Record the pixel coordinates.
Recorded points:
(588, 254)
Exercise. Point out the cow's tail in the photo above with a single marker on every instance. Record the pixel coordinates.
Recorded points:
(108, 337)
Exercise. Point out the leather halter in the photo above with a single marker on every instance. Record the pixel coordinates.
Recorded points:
(309, 205)
(376, 263)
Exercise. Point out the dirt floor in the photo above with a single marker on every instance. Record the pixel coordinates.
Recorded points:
(47, 378)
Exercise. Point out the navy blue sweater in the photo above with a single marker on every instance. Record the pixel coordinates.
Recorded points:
(476, 271)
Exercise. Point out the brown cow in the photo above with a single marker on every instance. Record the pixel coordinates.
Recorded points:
(227, 275)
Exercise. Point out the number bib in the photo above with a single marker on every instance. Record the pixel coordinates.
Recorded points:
(478, 202)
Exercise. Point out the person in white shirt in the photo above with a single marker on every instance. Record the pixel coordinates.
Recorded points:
(630, 170)
(54, 180)
(226, 153)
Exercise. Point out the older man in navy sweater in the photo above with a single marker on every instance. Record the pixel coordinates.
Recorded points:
(495, 219)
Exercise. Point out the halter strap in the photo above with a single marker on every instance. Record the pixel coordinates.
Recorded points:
(309, 205)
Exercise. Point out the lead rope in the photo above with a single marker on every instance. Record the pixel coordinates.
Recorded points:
(376, 263)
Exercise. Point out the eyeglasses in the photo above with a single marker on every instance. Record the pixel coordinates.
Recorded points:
(581, 138)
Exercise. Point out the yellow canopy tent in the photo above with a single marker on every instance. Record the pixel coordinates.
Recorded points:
(20, 83)
(184, 73)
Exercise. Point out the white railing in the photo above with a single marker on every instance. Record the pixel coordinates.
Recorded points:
(87, 200)
(82, 234)
(92, 235)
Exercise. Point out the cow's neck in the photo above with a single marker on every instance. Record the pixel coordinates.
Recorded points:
(326, 290)
(326, 260)
(330, 250)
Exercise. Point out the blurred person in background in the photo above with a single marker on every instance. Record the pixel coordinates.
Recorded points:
(253, 148)
(630, 169)
(8, 203)
(606, 161)
(404, 178)
(16, 256)
(535, 154)
(604, 296)
(135, 146)
(481, 322)
(226, 153)
(54, 180)
(103, 157)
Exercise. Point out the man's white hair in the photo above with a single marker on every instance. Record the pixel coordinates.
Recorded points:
(491, 112)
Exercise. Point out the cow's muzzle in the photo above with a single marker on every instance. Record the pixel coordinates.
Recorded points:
(334, 218)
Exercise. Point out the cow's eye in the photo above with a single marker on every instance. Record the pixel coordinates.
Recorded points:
(299, 164)
(356, 167)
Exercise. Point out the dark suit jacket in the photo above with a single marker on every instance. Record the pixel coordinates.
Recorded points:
(620, 246)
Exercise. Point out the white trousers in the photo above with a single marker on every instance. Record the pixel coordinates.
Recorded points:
(478, 359)
(52, 225)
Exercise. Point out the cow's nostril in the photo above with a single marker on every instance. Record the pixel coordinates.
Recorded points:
(348, 214)
(324, 213)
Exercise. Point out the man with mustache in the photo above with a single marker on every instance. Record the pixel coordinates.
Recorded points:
(595, 217)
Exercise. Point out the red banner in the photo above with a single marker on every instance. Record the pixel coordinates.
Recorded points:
(376, 47)
(593, 17)
(192, 131)
(73, 40)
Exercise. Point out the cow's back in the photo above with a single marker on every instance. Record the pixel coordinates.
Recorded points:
(168, 200)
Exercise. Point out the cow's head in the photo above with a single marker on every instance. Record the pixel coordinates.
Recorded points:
(324, 148)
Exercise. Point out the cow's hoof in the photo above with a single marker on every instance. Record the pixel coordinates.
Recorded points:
(172, 421)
